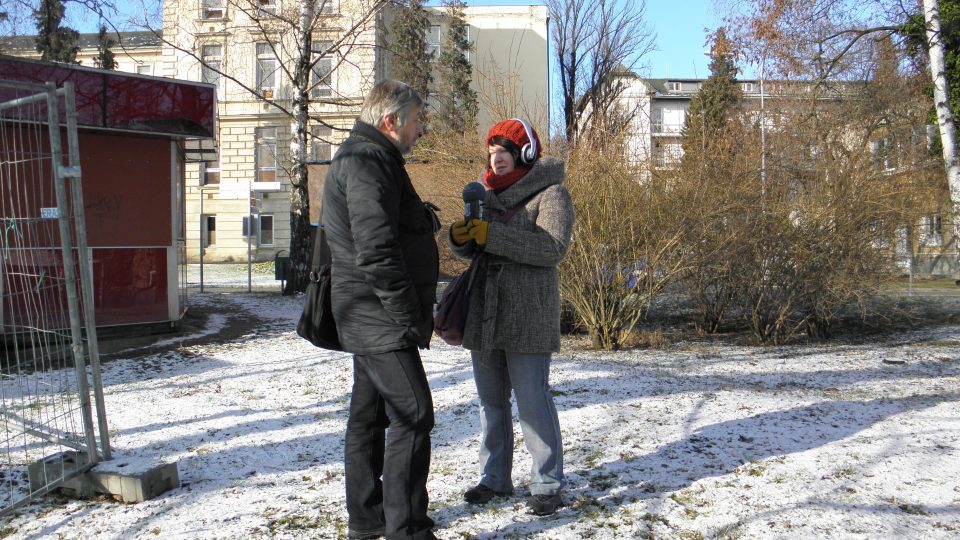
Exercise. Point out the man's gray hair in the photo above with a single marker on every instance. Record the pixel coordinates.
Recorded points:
(389, 97)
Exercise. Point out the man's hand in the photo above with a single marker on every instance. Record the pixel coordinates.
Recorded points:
(478, 231)
(459, 231)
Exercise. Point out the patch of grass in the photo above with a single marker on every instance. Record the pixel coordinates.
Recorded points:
(843, 472)
(731, 531)
(6, 532)
(913, 509)
(921, 283)
(298, 522)
(652, 339)
(593, 457)
(688, 500)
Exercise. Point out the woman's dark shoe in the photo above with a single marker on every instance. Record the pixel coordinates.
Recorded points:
(544, 505)
(481, 494)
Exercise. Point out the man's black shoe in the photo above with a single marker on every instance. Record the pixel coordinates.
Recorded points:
(544, 505)
(481, 494)
(368, 535)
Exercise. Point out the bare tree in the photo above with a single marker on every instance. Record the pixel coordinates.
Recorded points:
(305, 48)
(595, 40)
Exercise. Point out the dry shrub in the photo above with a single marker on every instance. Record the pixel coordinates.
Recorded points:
(625, 247)
(442, 164)
(651, 339)
(788, 248)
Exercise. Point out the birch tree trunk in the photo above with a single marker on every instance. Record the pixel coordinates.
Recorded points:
(300, 245)
(948, 133)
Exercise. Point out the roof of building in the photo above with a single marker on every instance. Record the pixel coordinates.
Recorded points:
(128, 40)
(114, 100)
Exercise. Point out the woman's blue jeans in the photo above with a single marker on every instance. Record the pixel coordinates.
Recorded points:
(496, 373)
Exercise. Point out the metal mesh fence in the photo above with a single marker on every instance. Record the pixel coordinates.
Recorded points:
(47, 431)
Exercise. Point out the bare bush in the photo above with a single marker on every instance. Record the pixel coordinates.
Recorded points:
(625, 249)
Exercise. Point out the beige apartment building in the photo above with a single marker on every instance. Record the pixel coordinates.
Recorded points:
(659, 110)
(243, 52)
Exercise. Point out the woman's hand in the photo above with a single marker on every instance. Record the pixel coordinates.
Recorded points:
(460, 232)
(478, 231)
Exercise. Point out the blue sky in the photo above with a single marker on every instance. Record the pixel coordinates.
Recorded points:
(680, 33)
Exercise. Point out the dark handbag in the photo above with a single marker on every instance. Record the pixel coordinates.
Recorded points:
(451, 317)
(316, 322)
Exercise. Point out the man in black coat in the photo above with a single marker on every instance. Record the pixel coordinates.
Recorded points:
(385, 267)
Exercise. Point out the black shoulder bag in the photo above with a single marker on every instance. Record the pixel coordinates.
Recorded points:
(316, 322)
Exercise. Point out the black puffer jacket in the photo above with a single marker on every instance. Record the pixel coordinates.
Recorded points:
(385, 260)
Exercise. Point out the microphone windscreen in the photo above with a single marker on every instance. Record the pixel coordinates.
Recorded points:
(474, 191)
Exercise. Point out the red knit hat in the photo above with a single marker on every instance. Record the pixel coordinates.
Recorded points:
(514, 131)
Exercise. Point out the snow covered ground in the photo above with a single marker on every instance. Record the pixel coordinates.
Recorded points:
(699, 440)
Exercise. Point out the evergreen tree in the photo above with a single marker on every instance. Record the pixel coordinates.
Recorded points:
(718, 98)
(411, 61)
(457, 101)
(55, 43)
(105, 58)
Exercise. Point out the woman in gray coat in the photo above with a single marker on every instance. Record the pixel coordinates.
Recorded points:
(513, 323)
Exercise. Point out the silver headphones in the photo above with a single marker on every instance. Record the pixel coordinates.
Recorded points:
(528, 154)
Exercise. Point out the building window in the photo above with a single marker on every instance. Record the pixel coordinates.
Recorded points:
(878, 233)
(433, 41)
(213, 9)
(268, 6)
(328, 7)
(211, 172)
(211, 57)
(209, 230)
(266, 154)
(266, 230)
(266, 70)
(748, 87)
(320, 147)
(884, 153)
(674, 86)
(145, 69)
(321, 84)
(932, 227)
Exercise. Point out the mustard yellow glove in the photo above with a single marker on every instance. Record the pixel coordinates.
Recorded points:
(478, 231)
(459, 232)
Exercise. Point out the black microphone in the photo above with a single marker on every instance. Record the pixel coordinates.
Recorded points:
(473, 195)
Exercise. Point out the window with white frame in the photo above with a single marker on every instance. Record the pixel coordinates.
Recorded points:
(213, 9)
(932, 227)
(320, 147)
(748, 87)
(884, 153)
(328, 7)
(211, 172)
(266, 70)
(211, 56)
(266, 230)
(268, 6)
(321, 82)
(265, 140)
(145, 69)
(674, 86)
(878, 233)
(433, 41)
